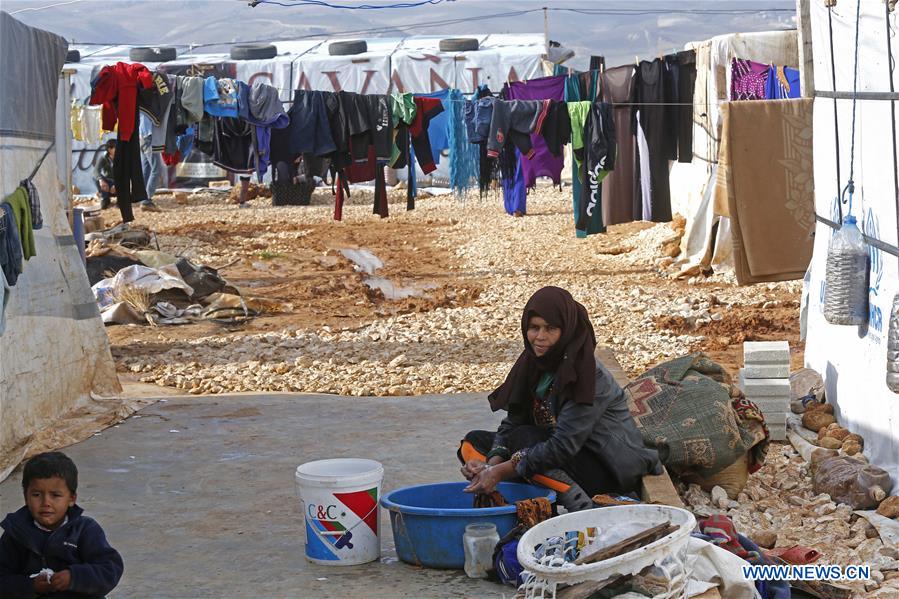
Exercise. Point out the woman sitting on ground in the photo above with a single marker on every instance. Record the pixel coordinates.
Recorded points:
(568, 426)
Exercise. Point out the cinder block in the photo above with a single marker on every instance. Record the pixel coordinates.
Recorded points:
(766, 352)
(777, 432)
(765, 387)
(772, 405)
(775, 419)
(766, 371)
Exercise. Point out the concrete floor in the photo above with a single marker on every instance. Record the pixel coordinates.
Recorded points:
(198, 493)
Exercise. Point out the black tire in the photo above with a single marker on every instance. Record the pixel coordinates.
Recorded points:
(145, 54)
(73, 56)
(253, 51)
(347, 48)
(459, 44)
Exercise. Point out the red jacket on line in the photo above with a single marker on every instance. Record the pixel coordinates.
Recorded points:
(116, 90)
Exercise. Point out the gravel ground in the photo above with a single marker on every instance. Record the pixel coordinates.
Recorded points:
(489, 264)
(778, 503)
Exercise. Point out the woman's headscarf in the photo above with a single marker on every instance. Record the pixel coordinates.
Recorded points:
(571, 358)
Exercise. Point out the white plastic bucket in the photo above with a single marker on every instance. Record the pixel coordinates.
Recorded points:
(339, 499)
(613, 524)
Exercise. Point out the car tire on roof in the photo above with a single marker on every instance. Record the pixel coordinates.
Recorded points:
(253, 51)
(347, 48)
(73, 56)
(147, 54)
(459, 44)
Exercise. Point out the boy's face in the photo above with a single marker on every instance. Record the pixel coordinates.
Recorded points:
(48, 500)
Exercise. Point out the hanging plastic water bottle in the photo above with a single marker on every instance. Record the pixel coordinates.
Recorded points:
(893, 348)
(846, 279)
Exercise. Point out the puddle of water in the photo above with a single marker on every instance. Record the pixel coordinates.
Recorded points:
(366, 262)
(363, 260)
(392, 291)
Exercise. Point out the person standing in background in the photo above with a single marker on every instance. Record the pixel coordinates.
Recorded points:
(151, 162)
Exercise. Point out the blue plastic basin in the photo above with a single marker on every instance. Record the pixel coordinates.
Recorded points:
(429, 521)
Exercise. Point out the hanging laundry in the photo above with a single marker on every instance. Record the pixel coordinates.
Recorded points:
(381, 124)
(599, 147)
(514, 121)
(464, 156)
(261, 107)
(651, 99)
(782, 83)
(233, 145)
(514, 191)
(4, 301)
(10, 245)
(556, 130)
(437, 129)
(747, 79)
(684, 111)
(309, 130)
(156, 103)
(21, 212)
(34, 200)
(573, 95)
(115, 88)
(190, 90)
(426, 110)
(402, 110)
(619, 195)
(92, 125)
(220, 97)
(542, 163)
(75, 122)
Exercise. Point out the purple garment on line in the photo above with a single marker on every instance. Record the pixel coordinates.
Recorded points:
(542, 163)
(747, 79)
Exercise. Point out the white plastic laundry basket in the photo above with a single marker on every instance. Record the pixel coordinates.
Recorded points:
(613, 524)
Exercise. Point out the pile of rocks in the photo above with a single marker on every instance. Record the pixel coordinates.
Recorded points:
(778, 508)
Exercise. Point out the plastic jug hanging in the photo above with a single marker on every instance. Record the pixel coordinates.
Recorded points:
(893, 348)
(846, 279)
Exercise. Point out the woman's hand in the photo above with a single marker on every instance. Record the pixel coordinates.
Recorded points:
(472, 468)
(484, 481)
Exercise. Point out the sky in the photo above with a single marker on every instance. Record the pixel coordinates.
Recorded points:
(618, 37)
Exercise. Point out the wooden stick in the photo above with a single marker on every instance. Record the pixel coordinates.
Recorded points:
(640, 539)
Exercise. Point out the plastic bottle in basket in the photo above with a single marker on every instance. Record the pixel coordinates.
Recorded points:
(480, 540)
(846, 279)
(893, 348)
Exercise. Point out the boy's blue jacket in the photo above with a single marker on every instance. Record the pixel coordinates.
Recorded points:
(79, 546)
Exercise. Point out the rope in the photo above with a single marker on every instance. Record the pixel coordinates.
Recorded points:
(41, 161)
(836, 122)
(850, 185)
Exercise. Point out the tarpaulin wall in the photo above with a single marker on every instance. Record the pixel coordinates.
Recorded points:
(692, 184)
(853, 359)
(54, 351)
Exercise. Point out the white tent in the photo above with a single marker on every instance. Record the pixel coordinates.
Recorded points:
(692, 184)
(54, 354)
(853, 359)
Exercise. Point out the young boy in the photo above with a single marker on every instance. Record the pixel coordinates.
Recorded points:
(50, 534)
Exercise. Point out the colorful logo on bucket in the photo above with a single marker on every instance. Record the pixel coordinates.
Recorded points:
(329, 528)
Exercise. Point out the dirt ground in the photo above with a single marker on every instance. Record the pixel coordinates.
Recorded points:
(448, 253)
